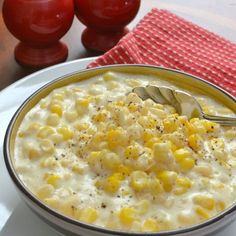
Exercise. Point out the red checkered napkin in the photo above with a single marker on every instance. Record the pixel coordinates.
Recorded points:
(164, 39)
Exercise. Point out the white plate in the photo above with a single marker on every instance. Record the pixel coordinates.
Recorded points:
(16, 219)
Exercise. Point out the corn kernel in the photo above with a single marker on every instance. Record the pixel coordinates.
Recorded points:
(53, 119)
(45, 132)
(119, 103)
(56, 138)
(217, 143)
(132, 152)
(56, 108)
(45, 191)
(100, 117)
(58, 96)
(133, 107)
(147, 122)
(183, 184)
(204, 201)
(49, 162)
(53, 202)
(139, 180)
(144, 162)
(202, 212)
(94, 158)
(168, 179)
(222, 157)
(33, 127)
(149, 103)
(169, 125)
(53, 180)
(32, 150)
(190, 128)
(147, 136)
(127, 215)
(71, 116)
(132, 82)
(134, 132)
(34, 153)
(152, 141)
(220, 206)
(181, 154)
(154, 186)
(111, 160)
(78, 169)
(161, 152)
(124, 170)
(112, 183)
(112, 85)
(89, 215)
(158, 112)
(83, 102)
(193, 120)
(115, 138)
(210, 126)
(186, 164)
(81, 126)
(44, 103)
(150, 225)
(198, 126)
(194, 141)
(180, 191)
(133, 98)
(69, 209)
(204, 170)
(186, 219)
(65, 132)
(173, 147)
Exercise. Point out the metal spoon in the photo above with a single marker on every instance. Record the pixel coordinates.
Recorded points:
(184, 103)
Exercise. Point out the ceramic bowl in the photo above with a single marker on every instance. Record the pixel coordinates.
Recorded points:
(69, 226)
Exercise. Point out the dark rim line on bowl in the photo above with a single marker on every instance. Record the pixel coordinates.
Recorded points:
(30, 195)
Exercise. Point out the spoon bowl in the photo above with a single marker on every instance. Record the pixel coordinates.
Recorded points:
(184, 103)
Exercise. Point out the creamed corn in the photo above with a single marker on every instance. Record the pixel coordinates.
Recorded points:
(99, 154)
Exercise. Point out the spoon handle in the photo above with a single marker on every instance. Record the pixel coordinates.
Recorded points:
(223, 120)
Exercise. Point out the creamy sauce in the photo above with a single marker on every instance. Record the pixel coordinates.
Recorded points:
(98, 154)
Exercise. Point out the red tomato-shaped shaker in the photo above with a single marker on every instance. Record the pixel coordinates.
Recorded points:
(39, 24)
(105, 21)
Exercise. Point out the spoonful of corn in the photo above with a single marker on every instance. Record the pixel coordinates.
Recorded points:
(184, 103)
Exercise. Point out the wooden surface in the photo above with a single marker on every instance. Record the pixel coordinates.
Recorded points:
(218, 16)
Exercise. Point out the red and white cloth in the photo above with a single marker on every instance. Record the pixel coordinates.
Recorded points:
(164, 39)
